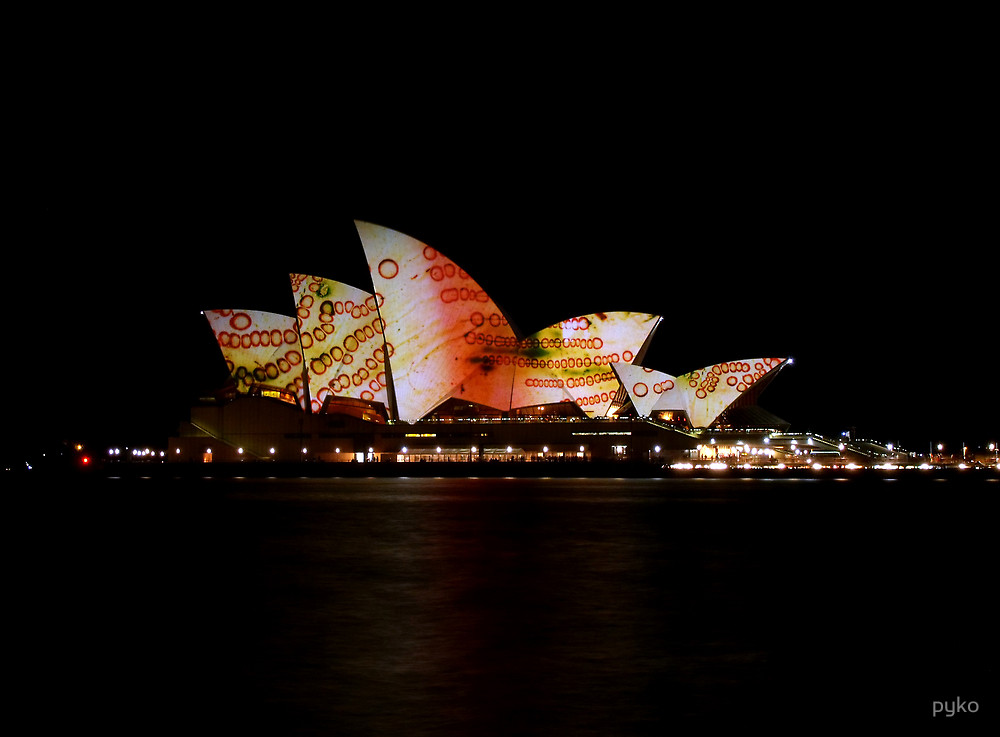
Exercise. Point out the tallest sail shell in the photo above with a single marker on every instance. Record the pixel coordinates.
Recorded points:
(440, 325)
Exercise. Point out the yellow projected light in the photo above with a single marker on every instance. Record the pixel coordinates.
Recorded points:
(341, 334)
(571, 360)
(713, 388)
(444, 331)
(260, 348)
(704, 394)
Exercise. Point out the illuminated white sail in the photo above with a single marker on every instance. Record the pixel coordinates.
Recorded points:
(445, 336)
(341, 334)
(260, 349)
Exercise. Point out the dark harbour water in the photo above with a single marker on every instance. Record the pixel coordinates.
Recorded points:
(445, 606)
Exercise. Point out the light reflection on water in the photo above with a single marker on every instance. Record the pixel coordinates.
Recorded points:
(421, 606)
(504, 607)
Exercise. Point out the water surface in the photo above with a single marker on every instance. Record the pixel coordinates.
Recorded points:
(444, 606)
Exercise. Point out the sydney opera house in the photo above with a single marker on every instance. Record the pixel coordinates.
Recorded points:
(426, 367)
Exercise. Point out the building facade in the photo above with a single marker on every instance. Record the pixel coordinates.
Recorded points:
(425, 366)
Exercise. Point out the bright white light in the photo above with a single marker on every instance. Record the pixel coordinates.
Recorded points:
(717, 466)
(817, 466)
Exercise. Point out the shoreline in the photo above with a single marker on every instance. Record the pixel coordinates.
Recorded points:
(513, 469)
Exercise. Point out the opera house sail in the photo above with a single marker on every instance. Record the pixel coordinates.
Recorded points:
(703, 395)
(342, 341)
(446, 337)
(261, 349)
(572, 360)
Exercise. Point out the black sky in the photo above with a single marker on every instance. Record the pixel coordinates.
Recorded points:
(847, 226)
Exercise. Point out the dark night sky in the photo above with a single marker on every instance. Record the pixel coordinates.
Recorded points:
(843, 226)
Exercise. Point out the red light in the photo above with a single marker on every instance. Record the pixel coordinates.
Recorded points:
(85, 460)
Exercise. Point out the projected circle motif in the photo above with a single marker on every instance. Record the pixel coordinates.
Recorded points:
(388, 269)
